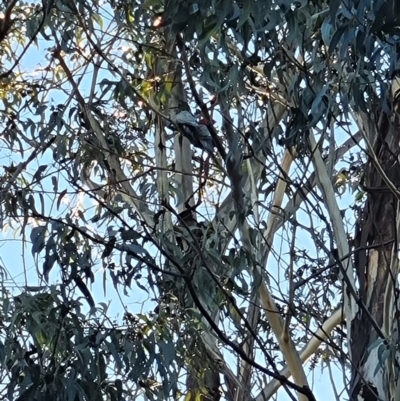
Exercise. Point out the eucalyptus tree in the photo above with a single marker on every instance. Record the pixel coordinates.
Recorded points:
(237, 162)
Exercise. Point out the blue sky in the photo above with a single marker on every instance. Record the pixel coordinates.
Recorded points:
(17, 258)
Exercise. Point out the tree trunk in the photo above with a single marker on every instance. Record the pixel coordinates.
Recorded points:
(203, 381)
(376, 268)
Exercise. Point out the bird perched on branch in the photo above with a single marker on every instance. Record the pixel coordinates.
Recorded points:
(195, 131)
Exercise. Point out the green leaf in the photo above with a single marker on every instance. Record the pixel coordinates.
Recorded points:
(336, 38)
(210, 27)
(38, 235)
(128, 235)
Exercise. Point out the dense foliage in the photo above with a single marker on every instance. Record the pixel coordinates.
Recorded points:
(237, 258)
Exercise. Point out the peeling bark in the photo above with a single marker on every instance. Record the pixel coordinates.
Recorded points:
(376, 229)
